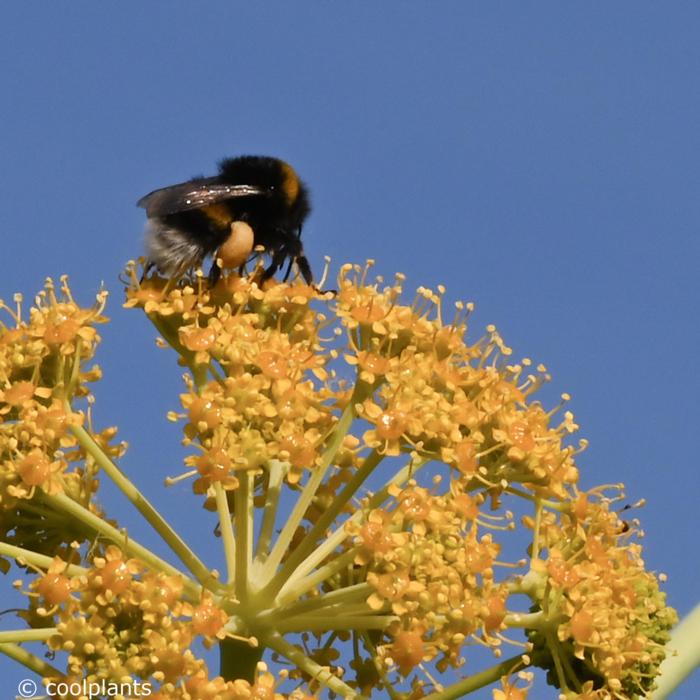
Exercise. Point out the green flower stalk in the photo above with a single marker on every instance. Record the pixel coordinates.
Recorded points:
(368, 467)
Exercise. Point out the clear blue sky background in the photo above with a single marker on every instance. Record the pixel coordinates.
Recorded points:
(541, 159)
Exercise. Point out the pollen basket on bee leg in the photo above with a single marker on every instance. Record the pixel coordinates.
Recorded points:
(234, 251)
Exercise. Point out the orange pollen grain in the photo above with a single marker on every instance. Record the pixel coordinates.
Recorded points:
(204, 411)
(582, 626)
(301, 451)
(63, 332)
(466, 506)
(53, 588)
(391, 424)
(54, 419)
(34, 469)
(373, 363)
(521, 435)
(466, 457)
(116, 576)
(273, 364)
(408, 650)
(19, 392)
(215, 465)
(207, 619)
(414, 505)
(368, 314)
(199, 339)
(496, 613)
(375, 538)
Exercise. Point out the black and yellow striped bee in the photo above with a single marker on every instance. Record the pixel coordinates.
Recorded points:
(254, 201)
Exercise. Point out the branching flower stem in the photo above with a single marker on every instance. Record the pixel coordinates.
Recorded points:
(30, 661)
(30, 635)
(296, 587)
(313, 669)
(316, 533)
(339, 622)
(243, 498)
(347, 595)
(304, 501)
(476, 681)
(277, 471)
(336, 538)
(683, 656)
(133, 548)
(226, 530)
(41, 561)
(151, 515)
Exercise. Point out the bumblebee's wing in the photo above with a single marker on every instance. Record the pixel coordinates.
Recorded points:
(194, 194)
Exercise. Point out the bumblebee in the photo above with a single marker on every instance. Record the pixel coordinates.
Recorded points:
(254, 202)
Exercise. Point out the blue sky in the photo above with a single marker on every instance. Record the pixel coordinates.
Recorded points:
(540, 159)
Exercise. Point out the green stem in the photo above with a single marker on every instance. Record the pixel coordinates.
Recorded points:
(277, 471)
(297, 588)
(41, 561)
(310, 540)
(313, 669)
(152, 516)
(552, 505)
(349, 610)
(350, 594)
(478, 680)
(536, 531)
(243, 498)
(130, 546)
(308, 493)
(336, 538)
(682, 655)
(30, 661)
(32, 635)
(326, 623)
(75, 370)
(535, 620)
(554, 649)
(226, 530)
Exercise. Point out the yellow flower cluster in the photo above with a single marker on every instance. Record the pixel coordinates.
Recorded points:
(268, 399)
(43, 361)
(431, 568)
(119, 621)
(277, 377)
(367, 464)
(611, 619)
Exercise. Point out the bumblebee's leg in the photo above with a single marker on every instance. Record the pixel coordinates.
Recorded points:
(289, 269)
(304, 268)
(278, 258)
(146, 269)
(214, 274)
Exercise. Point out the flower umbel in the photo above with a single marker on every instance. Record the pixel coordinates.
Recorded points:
(367, 465)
